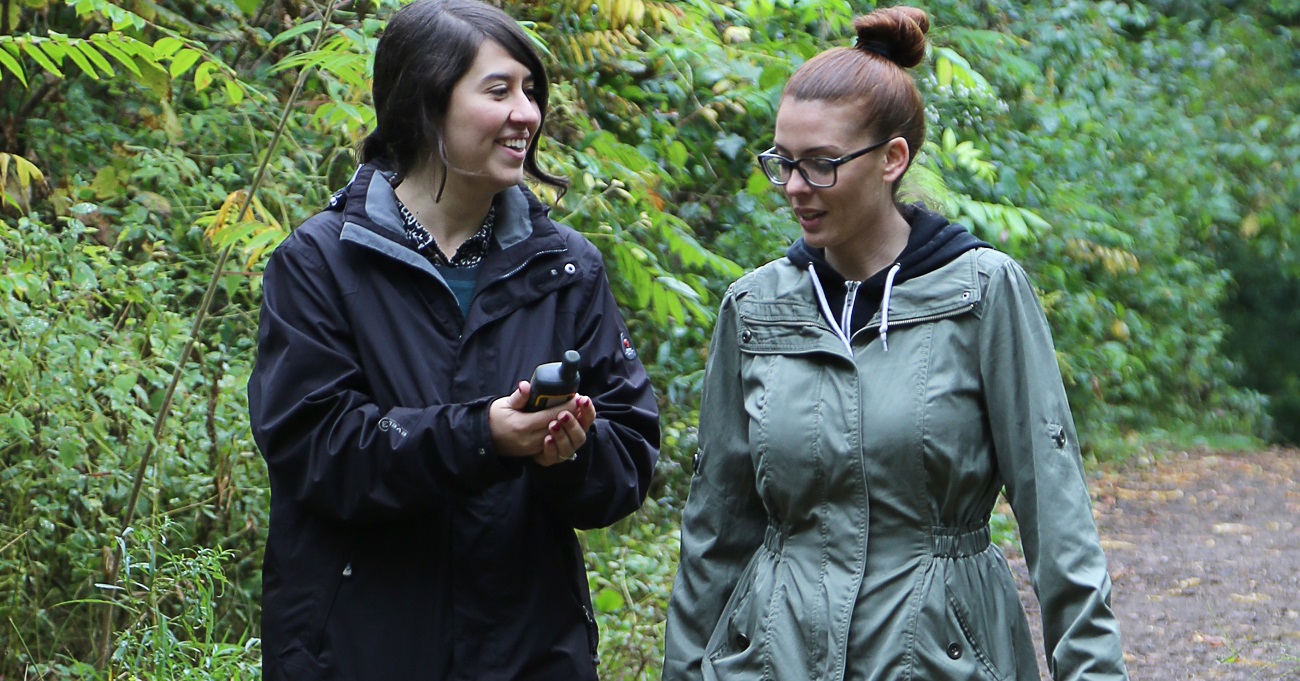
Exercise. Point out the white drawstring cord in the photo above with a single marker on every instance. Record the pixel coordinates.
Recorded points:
(884, 305)
(826, 309)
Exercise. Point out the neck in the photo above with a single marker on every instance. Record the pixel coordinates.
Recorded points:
(878, 247)
(451, 220)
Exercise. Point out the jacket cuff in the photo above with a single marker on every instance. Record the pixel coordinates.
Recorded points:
(481, 447)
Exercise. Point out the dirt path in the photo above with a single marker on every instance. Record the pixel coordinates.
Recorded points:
(1204, 551)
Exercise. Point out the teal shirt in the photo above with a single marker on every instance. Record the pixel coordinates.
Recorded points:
(461, 280)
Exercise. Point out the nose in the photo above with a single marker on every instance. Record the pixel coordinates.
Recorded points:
(526, 112)
(797, 185)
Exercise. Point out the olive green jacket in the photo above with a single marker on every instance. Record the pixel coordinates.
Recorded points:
(837, 525)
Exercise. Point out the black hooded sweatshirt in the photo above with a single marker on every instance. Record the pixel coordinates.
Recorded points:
(932, 243)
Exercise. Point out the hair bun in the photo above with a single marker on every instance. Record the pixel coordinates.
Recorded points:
(895, 33)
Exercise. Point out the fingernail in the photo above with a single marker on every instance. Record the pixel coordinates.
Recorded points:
(564, 418)
(554, 427)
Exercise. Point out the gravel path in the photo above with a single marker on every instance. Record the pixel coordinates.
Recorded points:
(1204, 552)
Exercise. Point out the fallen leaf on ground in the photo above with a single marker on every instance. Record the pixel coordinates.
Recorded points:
(1212, 641)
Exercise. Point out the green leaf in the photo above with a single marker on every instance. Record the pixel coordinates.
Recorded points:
(124, 382)
(609, 601)
(39, 57)
(7, 60)
(106, 45)
(69, 452)
(677, 154)
(294, 32)
(95, 57)
(16, 423)
(84, 277)
(155, 78)
(772, 76)
(183, 61)
(166, 47)
(80, 60)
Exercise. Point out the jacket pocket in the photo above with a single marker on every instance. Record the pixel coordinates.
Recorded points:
(970, 642)
(325, 607)
(736, 648)
(971, 624)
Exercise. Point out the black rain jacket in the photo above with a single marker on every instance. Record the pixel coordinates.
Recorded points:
(401, 546)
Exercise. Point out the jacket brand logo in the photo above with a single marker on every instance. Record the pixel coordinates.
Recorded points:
(386, 424)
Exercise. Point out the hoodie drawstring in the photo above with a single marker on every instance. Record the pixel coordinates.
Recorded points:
(826, 310)
(884, 305)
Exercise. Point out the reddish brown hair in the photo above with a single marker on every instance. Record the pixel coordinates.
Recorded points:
(874, 74)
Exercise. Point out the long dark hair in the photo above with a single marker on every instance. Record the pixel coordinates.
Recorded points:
(426, 48)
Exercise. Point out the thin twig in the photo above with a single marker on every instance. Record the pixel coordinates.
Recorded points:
(165, 407)
(13, 541)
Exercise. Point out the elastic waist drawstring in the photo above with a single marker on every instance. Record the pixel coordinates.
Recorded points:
(884, 305)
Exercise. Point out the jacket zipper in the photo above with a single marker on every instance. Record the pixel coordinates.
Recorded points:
(529, 260)
(850, 299)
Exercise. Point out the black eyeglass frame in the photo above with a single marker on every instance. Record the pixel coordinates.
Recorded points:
(835, 164)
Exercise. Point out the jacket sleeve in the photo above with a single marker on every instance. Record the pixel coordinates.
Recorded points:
(326, 442)
(724, 519)
(1038, 456)
(611, 475)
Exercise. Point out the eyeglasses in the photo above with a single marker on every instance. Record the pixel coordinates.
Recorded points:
(817, 171)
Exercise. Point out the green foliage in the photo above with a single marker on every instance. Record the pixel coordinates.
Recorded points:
(1137, 159)
(90, 346)
(631, 568)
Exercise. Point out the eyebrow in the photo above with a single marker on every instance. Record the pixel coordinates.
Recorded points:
(506, 77)
(824, 151)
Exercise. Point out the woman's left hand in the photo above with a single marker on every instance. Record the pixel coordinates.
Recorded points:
(567, 433)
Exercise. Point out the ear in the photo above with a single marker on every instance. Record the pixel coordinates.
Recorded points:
(897, 157)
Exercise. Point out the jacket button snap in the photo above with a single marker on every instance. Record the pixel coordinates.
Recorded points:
(954, 650)
(569, 268)
(746, 335)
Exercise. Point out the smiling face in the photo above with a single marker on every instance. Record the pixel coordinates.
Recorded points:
(839, 218)
(491, 120)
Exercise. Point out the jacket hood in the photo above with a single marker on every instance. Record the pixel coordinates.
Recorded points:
(932, 243)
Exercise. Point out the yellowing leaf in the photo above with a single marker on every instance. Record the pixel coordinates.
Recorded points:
(203, 75)
(943, 71)
(234, 92)
(1250, 226)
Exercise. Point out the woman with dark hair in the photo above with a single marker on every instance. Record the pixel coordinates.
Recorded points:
(422, 512)
(866, 399)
